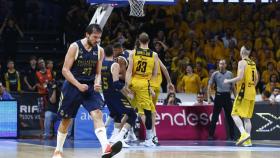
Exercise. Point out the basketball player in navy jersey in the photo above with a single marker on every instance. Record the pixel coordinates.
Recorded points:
(115, 95)
(82, 71)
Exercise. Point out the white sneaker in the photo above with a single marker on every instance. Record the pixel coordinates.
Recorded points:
(125, 145)
(148, 143)
(131, 137)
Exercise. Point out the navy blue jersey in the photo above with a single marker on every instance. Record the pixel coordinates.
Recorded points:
(84, 67)
(107, 78)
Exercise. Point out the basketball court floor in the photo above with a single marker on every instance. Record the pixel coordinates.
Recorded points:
(169, 149)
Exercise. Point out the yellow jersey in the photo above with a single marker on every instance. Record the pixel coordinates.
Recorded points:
(156, 82)
(246, 87)
(143, 64)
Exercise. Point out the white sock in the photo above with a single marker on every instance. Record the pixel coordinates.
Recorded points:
(149, 134)
(102, 137)
(248, 125)
(120, 136)
(60, 141)
(239, 123)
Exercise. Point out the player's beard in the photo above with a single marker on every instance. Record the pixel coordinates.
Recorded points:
(89, 43)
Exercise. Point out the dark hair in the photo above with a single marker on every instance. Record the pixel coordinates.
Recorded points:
(266, 94)
(272, 76)
(144, 38)
(93, 28)
(108, 51)
(117, 45)
(275, 88)
(32, 57)
(200, 93)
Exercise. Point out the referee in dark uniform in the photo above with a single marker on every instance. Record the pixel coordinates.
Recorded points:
(222, 98)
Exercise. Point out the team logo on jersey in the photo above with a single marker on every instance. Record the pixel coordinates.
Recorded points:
(273, 122)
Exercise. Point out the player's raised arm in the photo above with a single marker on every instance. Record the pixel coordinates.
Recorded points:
(68, 63)
(97, 81)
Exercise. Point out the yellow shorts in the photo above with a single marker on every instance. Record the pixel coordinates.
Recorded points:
(243, 108)
(142, 97)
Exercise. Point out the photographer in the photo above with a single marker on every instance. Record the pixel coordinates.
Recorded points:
(52, 107)
(171, 100)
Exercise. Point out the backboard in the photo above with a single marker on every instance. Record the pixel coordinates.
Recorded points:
(155, 2)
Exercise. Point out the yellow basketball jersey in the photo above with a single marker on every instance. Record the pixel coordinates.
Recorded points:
(156, 82)
(143, 63)
(246, 87)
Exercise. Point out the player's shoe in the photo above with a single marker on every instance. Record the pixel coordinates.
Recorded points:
(125, 145)
(57, 154)
(112, 150)
(155, 141)
(148, 143)
(244, 136)
(247, 143)
(131, 137)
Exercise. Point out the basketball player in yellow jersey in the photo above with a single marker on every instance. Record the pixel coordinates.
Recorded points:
(143, 66)
(156, 84)
(243, 106)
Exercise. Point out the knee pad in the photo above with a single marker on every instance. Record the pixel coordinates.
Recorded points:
(148, 121)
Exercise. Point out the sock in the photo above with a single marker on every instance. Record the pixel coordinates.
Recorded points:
(60, 141)
(149, 134)
(121, 134)
(248, 125)
(102, 137)
(239, 123)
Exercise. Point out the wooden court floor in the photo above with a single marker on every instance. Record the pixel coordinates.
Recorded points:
(173, 149)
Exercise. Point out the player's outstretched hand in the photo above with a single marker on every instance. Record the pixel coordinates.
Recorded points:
(170, 88)
(226, 81)
(83, 87)
(97, 87)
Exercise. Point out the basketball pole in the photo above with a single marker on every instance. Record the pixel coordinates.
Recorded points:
(102, 14)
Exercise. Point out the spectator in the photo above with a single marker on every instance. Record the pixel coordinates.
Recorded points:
(12, 78)
(205, 81)
(275, 94)
(52, 107)
(30, 78)
(273, 82)
(4, 95)
(190, 81)
(171, 100)
(265, 96)
(201, 71)
(200, 99)
(50, 67)
(229, 38)
(268, 72)
(44, 76)
(10, 32)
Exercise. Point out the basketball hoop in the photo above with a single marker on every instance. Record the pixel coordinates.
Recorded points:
(137, 8)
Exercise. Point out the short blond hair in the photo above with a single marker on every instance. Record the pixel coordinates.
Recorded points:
(245, 51)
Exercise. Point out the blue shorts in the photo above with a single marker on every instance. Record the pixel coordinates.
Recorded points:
(117, 104)
(71, 99)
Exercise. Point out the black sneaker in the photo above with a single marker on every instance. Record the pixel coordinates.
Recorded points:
(155, 141)
(112, 150)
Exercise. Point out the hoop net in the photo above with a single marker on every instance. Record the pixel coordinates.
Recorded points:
(137, 8)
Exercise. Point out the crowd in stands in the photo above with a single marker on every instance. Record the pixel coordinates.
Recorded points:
(190, 38)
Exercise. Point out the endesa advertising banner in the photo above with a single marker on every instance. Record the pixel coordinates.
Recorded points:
(187, 123)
